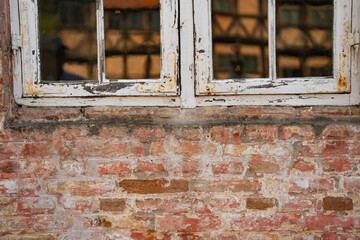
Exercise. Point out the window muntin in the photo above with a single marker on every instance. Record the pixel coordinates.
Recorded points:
(299, 80)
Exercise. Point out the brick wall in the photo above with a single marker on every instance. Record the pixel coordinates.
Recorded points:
(166, 173)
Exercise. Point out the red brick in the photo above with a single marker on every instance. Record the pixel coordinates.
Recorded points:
(36, 205)
(261, 203)
(337, 165)
(112, 204)
(306, 186)
(6, 151)
(355, 148)
(149, 235)
(302, 165)
(338, 132)
(226, 134)
(189, 167)
(335, 148)
(154, 186)
(258, 132)
(149, 167)
(227, 168)
(189, 134)
(175, 206)
(182, 223)
(297, 132)
(271, 222)
(84, 205)
(265, 149)
(115, 168)
(36, 150)
(338, 203)
(149, 133)
(352, 184)
(226, 204)
(322, 221)
(251, 186)
(337, 236)
(9, 169)
(156, 148)
(297, 204)
(259, 166)
(189, 149)
(81, 188)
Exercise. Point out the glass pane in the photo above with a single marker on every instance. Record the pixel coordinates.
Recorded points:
(68, 45)
(240, 39)
(132, 39)
(304, 34)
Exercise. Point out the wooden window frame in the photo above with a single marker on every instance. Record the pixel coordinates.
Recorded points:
(186, 81)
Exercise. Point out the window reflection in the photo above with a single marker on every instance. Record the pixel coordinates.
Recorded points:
(304, 38)
(132, 39)
(68, 45)
(240, 39)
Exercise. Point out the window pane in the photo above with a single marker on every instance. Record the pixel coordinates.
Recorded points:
(240, 39)
(68, 45)
(304, 34)
(132, 39)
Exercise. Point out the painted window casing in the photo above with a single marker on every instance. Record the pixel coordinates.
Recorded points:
(186, 73)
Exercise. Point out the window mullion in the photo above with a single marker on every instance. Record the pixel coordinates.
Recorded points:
(272, 38)
(100, 40)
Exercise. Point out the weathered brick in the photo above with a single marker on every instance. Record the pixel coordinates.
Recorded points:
(265, 149)
(261, 133)
(149, 235)
(337, 165)
(338, 132)
(226, 204)
(306, 186)
(112, 204)
(188, 167)
(250, 186)
(297, 132)
(114, 168)
(189, 149)
(8, 169)
(171, 205)
(81, 188)
(261, 203)
(227, 168)
(303, 165)
(268, 222)
(226, 134)
(149, 133)
(36, 205)
(156, 148)
(182, 223)
(352, 184)
(297, 204)
(149, 167)
(258, 166)
(335, 148)
(154, 186)
(338, 203)
(322, 221)
(188, 134)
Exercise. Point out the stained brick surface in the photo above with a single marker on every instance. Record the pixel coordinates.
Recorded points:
(206, 173)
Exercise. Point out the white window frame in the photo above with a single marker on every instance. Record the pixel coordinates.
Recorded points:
(27, 84)
(192, 38)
